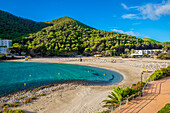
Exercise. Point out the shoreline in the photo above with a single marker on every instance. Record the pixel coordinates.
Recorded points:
(86, 99)
(75, 82)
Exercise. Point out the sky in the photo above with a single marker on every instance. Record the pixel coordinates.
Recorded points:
(140, 18)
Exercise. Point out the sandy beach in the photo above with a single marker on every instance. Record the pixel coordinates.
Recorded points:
(88, 99)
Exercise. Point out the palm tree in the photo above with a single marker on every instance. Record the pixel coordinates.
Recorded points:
(115, 97)
(118, 95)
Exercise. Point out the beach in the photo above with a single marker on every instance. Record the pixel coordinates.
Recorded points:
(77, 98)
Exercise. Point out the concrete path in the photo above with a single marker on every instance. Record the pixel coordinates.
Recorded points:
(155, 96)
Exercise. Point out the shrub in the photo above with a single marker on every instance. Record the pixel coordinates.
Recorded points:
(165, 109)
(133, 56)
(32, 98)
(124, 56)
(163, 56)
(145, 55)
(14, 104)
(13, 111)
(43, 94)
(6, 106)
(5, 109)
(20, 98)
(7, 54)
(2, 105)
(17, 102)
(3, 57)
(118, 95)
(158, 74)
(27, 101)
(133, 84)
(18, 111)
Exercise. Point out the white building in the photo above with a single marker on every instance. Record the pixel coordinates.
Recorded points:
(4, 44)
(142, 52)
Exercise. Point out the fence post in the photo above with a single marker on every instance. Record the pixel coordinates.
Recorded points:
(120, 105)
(127, 101)
(111, 109)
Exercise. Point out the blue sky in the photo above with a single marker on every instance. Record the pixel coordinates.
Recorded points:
(140, 18)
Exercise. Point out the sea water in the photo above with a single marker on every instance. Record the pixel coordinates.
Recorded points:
(18, 76)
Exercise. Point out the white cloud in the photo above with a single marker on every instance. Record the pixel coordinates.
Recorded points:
(149, 11)
(124, 6)
(136, 23)
(130, 33)
(130, 16)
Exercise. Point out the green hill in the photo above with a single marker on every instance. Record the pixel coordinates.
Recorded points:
(67, 37)
(13, 27)
(70, 37)
(150, 40)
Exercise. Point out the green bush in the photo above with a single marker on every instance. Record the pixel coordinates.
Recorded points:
(12, 111)
(133, 56)
(163, 56)
(8, 54)
(43, 94)
(145, 55)
(118, 95)
(158, 74)
(2, 105)
(3, 57)
(124, 56)
(20, 98)
(165, 109)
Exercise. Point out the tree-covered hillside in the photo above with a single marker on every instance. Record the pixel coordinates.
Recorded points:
(150, 40)
(13, 27)
(70, 37)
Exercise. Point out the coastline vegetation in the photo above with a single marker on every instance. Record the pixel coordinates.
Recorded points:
(121, 94)
(158, 74)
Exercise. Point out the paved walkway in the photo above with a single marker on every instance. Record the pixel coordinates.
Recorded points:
(156, 95)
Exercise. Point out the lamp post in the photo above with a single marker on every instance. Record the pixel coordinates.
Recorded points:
(141, 82)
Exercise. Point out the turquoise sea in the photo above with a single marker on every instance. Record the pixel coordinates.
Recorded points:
(13, 75)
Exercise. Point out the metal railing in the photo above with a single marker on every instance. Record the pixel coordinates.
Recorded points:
(126, 101)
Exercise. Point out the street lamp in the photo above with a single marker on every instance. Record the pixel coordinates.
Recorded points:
(141, 82)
